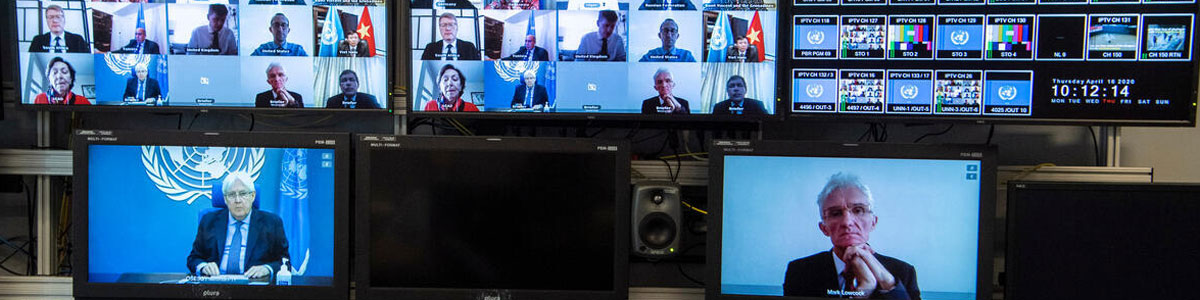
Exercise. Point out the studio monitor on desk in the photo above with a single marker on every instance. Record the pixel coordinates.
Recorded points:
(656, 218)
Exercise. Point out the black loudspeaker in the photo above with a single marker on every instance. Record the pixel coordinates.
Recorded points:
(657, 221)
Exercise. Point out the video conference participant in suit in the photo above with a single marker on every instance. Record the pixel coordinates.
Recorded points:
(451, 84)
(61, 77)
(142, 88)
(139, 44)
(602, 44)
(352, 46)
(665, 102)
(279, 46)
(449, 47)
(530, 95)
(278, 96)
(238, 239)
(350, 97)
(741, 51)
(852, 268)
(668, 32)
(530, 51)
(58, 40)
(214, 38)
(738, 104)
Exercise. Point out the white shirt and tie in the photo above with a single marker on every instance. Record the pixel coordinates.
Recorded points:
(56, 43)
(245, 233)
(449, 53)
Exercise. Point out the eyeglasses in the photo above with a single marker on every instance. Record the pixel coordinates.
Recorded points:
(857, 211)
(245, 194)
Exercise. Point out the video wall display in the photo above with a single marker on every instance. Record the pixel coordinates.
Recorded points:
(193, 53)
(1018, 60)
(643, 57)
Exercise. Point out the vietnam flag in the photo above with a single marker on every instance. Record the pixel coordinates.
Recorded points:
(755, 36)
(366, 32)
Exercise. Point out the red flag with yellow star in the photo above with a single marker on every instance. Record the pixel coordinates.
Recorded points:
(755, 36)
(367, 33)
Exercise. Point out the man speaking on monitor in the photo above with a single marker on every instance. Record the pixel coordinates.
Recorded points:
(851, 268)
(238, 239)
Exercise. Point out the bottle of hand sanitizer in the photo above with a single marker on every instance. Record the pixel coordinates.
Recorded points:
(284, 276)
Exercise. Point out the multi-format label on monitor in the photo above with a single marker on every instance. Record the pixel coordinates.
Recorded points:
(861, 91)
(910, 91)
(1113, 37)
(816, 37)
(1010, 36)
(863, 37)
(1008, 92)
(960, 37)
(1167, 37)
(814, 90)
(910, 37)
(958, 92)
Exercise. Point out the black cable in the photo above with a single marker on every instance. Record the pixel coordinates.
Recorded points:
(935, 133)
(991, 131)
(179, 124)
(865, 133)
(193, 122)
(670, 173)
(32, 263)
(251, 122)
(1095, 144)
(10, 255)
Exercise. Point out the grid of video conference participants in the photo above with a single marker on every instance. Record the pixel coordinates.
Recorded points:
(674, 57)
(204, 53)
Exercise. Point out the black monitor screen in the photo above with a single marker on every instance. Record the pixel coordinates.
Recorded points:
(1136, 241)
(327, 54)
(493, 220)
(630, 59)
(1022, 61)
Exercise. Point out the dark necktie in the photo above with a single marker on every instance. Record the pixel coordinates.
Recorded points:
(849, 278)
(604, 48)
(57, 45)
(529, 97)
(216, 42)
(139, 49)
(235, 250)
(141, 96)
(450, 52)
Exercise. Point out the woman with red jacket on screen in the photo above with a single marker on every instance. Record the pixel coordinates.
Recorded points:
(451, 84)
(61, 77)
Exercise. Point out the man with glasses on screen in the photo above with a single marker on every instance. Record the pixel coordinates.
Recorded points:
(852, 268)
(58, 40)
(238, 239)
(279, 46)
(449, 47)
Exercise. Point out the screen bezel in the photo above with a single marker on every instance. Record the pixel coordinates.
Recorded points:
(365, 144)
(786, 89)
(14, 54)
(340, 143)
(410, 100)
(720, 148)
(1017, 189)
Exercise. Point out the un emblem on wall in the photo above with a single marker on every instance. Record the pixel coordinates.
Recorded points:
(188, 173)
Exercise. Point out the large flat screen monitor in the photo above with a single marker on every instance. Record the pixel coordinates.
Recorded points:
(193, 215)
(203, 54)
(794, 220)
(1011, 61)
(491, 218)
(1101, 241)
(640, 59)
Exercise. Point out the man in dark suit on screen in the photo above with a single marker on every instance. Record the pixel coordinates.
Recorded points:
(139, 44)
(852, 268)
(665, 102)
(58, 40)
(350, 97)
(238, 239)
(530, 51)
(279, 95)
(142, 88)
(530, 95)
(449, 47)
